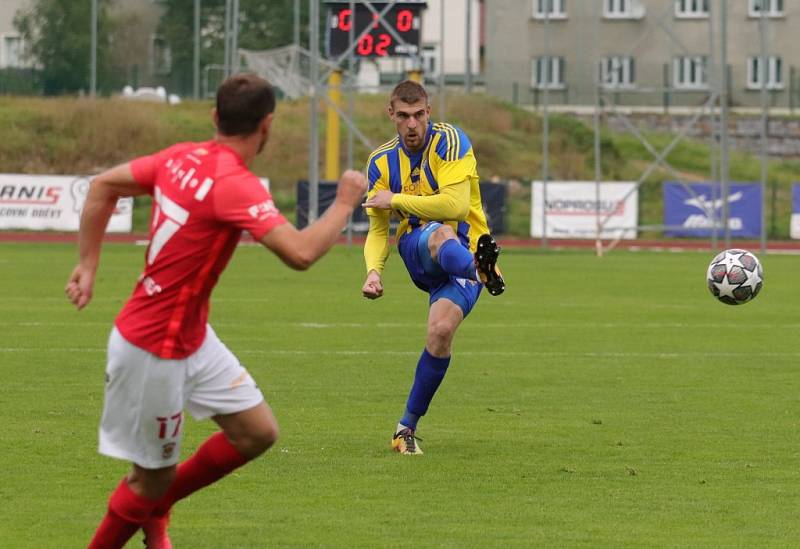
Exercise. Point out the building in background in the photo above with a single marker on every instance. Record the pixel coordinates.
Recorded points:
(11, 44)
(644, 52)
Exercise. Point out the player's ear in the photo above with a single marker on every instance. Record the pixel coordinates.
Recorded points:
(390, 110)
(268, 119)
(215, 117)
(266, 124)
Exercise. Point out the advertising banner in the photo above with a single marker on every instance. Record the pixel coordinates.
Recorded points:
(689, 212)
(52, 202)
(794, 228)
(571, 209)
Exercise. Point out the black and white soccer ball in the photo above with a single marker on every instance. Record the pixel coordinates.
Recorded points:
(735, 276)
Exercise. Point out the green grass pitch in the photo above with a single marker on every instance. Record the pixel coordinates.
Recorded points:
(600, 402)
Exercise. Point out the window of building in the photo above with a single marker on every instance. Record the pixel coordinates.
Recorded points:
(552, 9)
(430, 60)
(689, 72)
(774, 72)
(772, 8)
(548, 72)
(691, 8)
(161, 59)
(617, 72)
(12, 52)
(623, 9)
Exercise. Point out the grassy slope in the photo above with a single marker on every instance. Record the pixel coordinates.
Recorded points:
(83, 136)
(598, 403)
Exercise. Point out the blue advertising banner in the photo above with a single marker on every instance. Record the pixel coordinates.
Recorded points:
(693, 211)
(794, 227)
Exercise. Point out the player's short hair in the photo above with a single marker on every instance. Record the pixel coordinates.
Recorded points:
(243, 100)
(409, 92)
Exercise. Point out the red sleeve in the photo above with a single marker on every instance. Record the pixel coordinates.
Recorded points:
(246, 203)
(145, 168)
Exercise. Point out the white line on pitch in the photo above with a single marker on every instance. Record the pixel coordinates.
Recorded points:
(362, 352)
(484, 325)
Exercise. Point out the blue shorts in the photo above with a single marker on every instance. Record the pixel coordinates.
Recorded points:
(429, 277)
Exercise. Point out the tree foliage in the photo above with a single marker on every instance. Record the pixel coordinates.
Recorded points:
(262, 25)
(58, 35)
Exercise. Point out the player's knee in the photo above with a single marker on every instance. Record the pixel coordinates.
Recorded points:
(258, 439)
(439, 237)
(151, 483)
(440, 334)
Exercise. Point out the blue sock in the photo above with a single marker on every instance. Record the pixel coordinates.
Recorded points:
(429, 375)
(456, 260)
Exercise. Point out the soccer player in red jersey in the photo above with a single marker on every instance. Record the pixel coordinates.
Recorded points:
(163, 357)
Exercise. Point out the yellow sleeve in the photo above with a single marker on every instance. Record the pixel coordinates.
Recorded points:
(454, 171)
(376, 247)
(451, 204)
(378, 181)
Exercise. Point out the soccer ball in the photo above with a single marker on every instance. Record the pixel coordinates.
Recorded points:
(735, 276)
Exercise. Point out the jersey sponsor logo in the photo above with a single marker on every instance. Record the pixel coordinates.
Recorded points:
(263, 211)
(184, 178)
(150, 286)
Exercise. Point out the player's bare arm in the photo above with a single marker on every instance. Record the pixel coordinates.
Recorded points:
(299, 249)
(101, 200)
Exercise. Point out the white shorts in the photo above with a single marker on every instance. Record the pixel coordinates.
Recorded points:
(145, 397)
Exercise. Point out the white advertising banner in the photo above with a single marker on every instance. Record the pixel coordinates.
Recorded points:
(571, 209)
(52, 202)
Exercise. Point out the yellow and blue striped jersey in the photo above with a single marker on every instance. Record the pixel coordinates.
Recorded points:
(446, 159)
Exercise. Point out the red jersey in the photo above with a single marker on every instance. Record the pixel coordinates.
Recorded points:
(203, 198)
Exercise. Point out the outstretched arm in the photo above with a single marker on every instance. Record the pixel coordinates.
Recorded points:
(452, 203)
(101, 200)
(299, 249)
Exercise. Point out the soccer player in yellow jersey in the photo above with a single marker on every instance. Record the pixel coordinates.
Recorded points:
(427, 176)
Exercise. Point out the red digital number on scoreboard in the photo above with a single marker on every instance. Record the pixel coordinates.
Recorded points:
(379, 40)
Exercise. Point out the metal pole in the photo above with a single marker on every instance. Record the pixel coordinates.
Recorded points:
(468, 68)
(546, 125)
(764, 73)
(723, 121)
(227, 52)
(313, 153)
(235, 37)
(712, 145)
(351, 108)
(296, 33)
(351, 105)
(442, 83)
(597, 167)
(196, 60)
(332, 126)
(93, 61)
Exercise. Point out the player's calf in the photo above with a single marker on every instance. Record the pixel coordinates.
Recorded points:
(155, 532)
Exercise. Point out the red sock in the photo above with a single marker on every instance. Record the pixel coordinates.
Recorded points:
(126, 513)
(214, 459)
